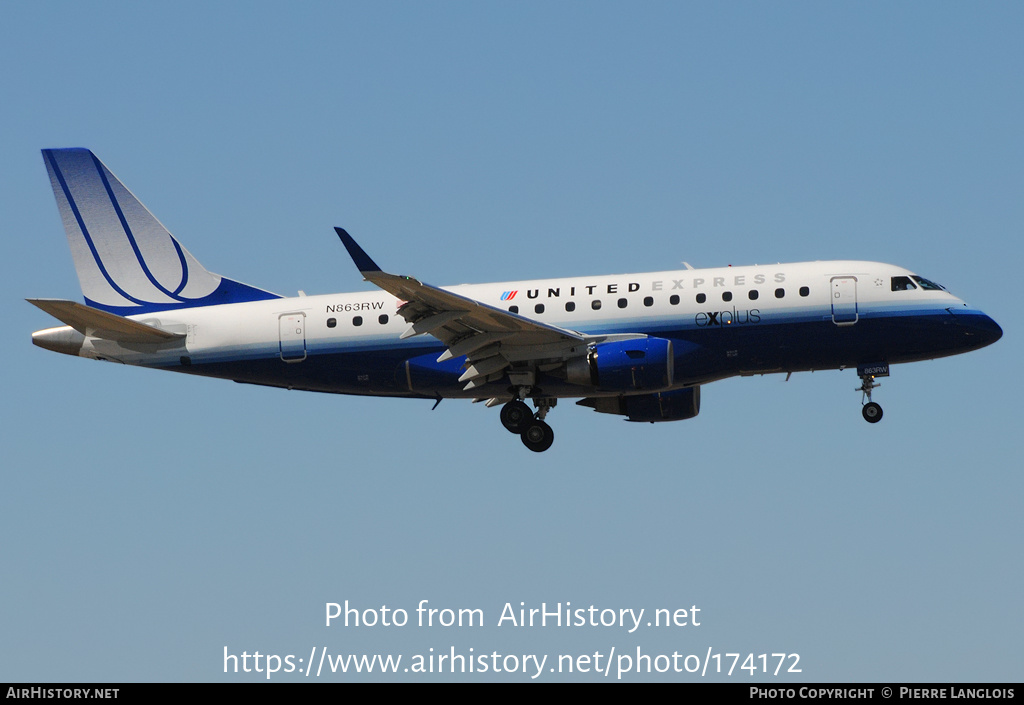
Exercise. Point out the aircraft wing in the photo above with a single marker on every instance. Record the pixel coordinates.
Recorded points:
(492, 339)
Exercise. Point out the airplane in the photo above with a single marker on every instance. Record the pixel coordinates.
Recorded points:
(639, 346)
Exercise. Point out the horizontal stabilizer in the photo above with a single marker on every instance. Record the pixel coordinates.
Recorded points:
(99, 324)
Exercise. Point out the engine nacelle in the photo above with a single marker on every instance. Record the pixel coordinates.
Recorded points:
(625, 366)
(677, 405)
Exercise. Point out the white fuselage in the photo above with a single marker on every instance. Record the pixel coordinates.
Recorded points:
(728, 309)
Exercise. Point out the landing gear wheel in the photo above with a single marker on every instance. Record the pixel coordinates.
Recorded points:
(515, 416)
(538, 436)
(872, 412)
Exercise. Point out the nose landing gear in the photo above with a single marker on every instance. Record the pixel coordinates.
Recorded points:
(871, 411)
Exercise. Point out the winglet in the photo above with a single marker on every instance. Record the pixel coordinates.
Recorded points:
(362, 260)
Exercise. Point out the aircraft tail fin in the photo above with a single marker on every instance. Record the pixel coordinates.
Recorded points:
(127, 261)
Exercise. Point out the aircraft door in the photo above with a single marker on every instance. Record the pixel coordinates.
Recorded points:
(844, 301)
(292, 327)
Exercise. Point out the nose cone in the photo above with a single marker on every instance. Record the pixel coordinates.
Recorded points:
(977, 330)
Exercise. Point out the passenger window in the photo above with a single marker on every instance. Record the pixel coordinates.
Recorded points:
(804, 291)
(902, 284)
(779, 293)
(539, 308)
(752, 295)
(357, 321)
(570, 306)
(674, 299)
(513, 309)
(382, 319)
(648, 301)
(622, 303)
(701, 298)
(726, 296)
(596, 304)
(331, 322)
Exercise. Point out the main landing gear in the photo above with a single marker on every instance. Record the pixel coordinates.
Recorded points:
(871, 411)
(517, 418)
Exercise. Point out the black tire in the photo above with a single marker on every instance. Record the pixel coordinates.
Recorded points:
(515, 416)
(538, 436)
(871, 412)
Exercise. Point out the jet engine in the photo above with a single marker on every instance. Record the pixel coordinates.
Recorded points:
(624, 366)
(677, 405)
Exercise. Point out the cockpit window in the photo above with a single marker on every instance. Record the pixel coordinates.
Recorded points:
(929, 285)
(902, 284)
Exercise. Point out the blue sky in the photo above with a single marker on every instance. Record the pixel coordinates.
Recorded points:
(151, 519)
